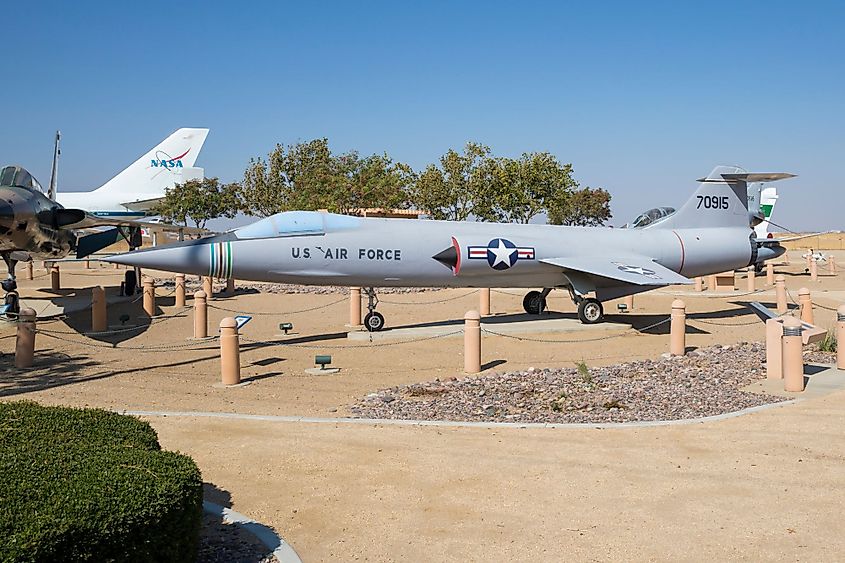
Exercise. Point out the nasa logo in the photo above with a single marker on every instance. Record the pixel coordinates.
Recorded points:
(164, 160)
(500, 253)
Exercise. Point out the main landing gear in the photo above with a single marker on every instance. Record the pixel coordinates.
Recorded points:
(10, 286)
(590, 310)
(374, 321)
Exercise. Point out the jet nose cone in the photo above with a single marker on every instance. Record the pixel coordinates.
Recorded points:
(195, 257)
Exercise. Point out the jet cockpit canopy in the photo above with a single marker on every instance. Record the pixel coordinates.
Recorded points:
(18, 177)
(649, 217)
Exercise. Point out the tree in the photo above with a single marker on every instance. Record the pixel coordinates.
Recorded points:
(523, 188)
(308, 176)
(586, 207)
(452, 191)
(199, 201)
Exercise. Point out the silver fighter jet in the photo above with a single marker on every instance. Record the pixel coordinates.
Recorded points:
(708, 234)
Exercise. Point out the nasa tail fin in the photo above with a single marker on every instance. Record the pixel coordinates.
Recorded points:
(721, 200)
(168, 163)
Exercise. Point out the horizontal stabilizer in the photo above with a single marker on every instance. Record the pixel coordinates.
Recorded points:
(89, 244)
(636, 270)
(748, 177)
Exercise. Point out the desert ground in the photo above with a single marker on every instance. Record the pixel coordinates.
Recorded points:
(762, 486)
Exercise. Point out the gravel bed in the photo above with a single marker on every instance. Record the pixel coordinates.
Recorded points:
(702, 383)
(226, 543)
(288, 288)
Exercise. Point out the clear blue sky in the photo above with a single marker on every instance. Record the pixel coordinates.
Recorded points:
(641, 97)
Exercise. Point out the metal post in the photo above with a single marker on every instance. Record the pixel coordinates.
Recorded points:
(770, 274)
(751, 279)
(678, 329)
(230, 364)
(793, 359)
(780, 293)
(208, 287)
(230, 286)
(200, 315)
(180, 290)
(840, 337)
(29, 272)
(484, 302)
(25, 341)
(149, 297)
(814, 270)
(354, 306)
(629, 302)
(98, 310)
(774, 352)
(699, 283)
(805, 304)
(87, 264)
(55, 281)
(472, 342)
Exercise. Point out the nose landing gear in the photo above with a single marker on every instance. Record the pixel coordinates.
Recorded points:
(11, 301)
(374, 321)
(534, 302)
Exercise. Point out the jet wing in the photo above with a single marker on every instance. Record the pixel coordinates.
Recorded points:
(92, 221)
(796, 237)
(142, 204)
(636, 270)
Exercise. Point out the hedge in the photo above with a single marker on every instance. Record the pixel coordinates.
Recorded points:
(91, 485)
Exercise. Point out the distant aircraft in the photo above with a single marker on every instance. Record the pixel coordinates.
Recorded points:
(709, 234)
(33, 225)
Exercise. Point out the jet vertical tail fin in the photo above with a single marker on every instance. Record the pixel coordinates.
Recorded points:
(169, 162)
(768, 199)
(721, 200)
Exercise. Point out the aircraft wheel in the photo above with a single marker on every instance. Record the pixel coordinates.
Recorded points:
(14, 305)
(130, 282)
(534, 303)
(374, 321)
(590, 311)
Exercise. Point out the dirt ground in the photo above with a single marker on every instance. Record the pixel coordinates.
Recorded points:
(763, 486)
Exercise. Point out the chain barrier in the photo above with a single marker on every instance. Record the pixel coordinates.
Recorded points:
(153, 321)
(269, 313)
(571, 341)
(372, 344)
(455, 298)
(148, 348)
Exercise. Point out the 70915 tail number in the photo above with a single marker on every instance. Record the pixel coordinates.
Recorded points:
(712, 202)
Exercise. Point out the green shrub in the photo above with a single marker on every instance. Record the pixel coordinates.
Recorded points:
(829, 342)
(90, 485)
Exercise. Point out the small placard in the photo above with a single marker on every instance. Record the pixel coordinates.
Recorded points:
(242, 320)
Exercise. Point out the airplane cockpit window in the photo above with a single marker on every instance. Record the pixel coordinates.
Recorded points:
(19, 177)
(281, 224)
(650, 216)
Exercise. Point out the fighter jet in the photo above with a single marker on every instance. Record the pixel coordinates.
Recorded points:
(710, 233)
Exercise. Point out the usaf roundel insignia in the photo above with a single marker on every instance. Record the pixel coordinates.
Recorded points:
(500, 253)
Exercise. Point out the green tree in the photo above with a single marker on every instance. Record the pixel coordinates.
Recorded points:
(585, 207)
(453, 191)
(199, 201)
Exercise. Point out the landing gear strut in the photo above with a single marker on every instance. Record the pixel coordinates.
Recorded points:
(534, 302)
(374, 321)
(10, 286)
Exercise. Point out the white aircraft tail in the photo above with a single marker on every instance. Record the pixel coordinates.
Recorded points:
(768, 199)
(168, 163)
(721, 200)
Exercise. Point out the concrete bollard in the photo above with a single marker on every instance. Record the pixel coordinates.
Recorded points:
(98, 310)
(230, 286)
(814, 270)
(770, 274)
(354, 306)
(711, 282)
(25, 341)
(472, 342)
(774, 349)
(831, 265)
(200, 315)
(484, 301)
(793, 358)
(87, 264)
(629, 303)
(678, 329)
(805, 305)
(55, 280)
(29, 273)
(840, 337)
(230, 362)
(751, 279)
(208, 287)
(180, 290)
(780, 294)
(699, 283)
(116, 266)
(149, 297)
